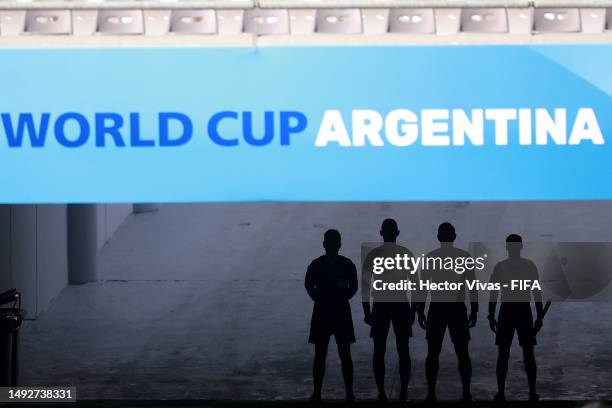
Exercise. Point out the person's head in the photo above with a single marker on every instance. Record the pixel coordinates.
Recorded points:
(514, 244)
(446, 232)
(389, 230)
(332, 241)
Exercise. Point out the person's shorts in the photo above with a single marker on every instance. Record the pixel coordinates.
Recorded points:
(451, 315)
(517, 318)
(331, 320)
(385, 314)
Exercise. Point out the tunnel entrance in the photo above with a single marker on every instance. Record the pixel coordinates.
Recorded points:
(206, 301)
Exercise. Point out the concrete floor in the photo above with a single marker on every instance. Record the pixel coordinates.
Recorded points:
(207, 302)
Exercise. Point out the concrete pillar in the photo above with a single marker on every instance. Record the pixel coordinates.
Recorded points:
(82, 243)
(51, 252)
(24, 268)
(6, 280)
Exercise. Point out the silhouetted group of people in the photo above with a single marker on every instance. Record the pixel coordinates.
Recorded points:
(331, 281)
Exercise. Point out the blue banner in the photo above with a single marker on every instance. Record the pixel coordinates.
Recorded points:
(346, 123)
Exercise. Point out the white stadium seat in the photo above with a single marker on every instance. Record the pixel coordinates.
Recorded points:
(413, 21)
(193, 22)
(48, 22)
(484, 20)
(120, 22)
(557, 20)
(266, 21)
(339, 21)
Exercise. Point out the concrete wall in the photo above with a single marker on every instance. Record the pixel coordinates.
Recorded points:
(5, 245)
(33, 253)
(110, 217)
(34, 249)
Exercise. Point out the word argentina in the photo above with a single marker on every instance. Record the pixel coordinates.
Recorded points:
(442, 127)
(398, 128)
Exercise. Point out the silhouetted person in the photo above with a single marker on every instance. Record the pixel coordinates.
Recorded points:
(388, 308)
(331, 280)
(447, 309)
(515, 314)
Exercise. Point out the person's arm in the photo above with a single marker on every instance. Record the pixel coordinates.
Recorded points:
(412, 300)
(419, 297)
(537, 298)
(352, 283)
(309, 283)
(474, 292)
(493, 296)
(473, 295)
(366, 283)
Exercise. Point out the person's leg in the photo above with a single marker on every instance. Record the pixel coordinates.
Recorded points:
(378, 365)
(434, 347)
(318, 369)
(403, 351)
(458, 328)
(344, 351)
(401, 328)
(465, 367)
(527, 341)
(380, 331)
(531, 370)
(503, 356)
(506, 327)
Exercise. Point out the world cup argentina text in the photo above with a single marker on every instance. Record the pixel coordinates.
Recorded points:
(399, 128)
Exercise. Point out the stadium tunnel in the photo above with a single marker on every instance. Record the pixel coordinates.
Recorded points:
(149, 324)
(43, 248)
(66, 240)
